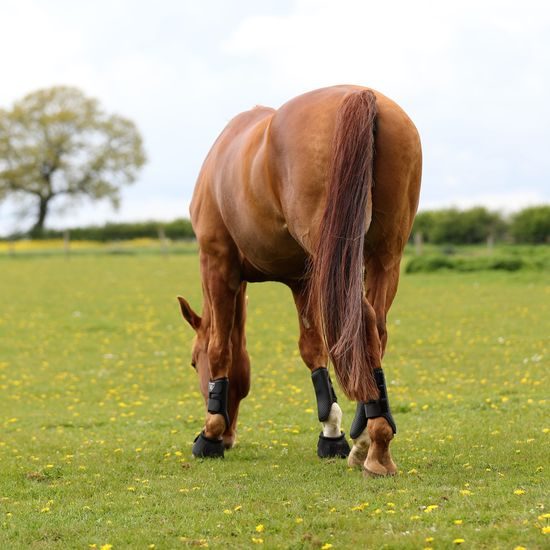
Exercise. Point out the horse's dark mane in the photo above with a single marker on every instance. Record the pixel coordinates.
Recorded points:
(337, 281)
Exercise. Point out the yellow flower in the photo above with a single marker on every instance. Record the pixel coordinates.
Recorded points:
(457, 522)
(257, 541)
(326, 546)
(545, 530)
(227, 511)
(458, 541)
(237, 508)
(105, 547)
(430, 508)
(519, 492)
(299, 520)
(260, 528)
(465, 492)
(520, 548)
(429, 539)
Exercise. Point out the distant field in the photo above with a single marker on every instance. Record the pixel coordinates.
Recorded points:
(99, 407)
(51, 247)
(463, 258)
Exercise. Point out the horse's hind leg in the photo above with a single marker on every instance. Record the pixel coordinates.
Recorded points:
(372, 436)
(332, 441)
(381, 285)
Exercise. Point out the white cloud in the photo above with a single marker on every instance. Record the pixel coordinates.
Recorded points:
(37, 48)
(473, 76)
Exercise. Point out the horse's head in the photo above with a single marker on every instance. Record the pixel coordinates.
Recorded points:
(199, 358)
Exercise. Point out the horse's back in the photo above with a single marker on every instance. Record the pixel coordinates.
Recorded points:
(236, 202)
(301, 142)
(263, 185)
(302, 133)
(223, 188)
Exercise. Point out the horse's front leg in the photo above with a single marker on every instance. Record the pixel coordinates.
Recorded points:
(239, 374)
(221, 284)
(332, 441)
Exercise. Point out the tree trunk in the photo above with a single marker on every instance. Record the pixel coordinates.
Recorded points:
(38, 227)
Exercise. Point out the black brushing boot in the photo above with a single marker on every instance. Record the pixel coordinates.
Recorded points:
(327, 447)
(333, 447)
(204, 447)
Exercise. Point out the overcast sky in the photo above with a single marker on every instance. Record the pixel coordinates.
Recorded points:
(474, 77)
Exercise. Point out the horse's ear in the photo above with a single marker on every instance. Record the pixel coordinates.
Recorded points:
(188, 314)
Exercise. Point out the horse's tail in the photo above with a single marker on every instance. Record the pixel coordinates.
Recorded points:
(337, 280)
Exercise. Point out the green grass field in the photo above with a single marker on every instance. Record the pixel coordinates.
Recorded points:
(99, 407)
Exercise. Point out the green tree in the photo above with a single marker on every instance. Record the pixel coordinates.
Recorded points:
(423, 223)
(454, 226)
(531, 225)
(59, 143)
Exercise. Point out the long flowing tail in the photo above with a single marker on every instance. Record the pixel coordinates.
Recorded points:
(337, 282)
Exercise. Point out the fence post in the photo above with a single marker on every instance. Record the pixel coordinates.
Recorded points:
(163, 243)
(490, 243)
(66, 243)
(418, 243)
(11, 246)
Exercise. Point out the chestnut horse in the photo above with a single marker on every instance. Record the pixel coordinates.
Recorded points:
(320, 195)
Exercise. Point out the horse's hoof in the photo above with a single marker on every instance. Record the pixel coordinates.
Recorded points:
(229, 441)
(330, 447)
(357, 456)
(204, 447)
(380, 473)
(354, 463)
(372, 468)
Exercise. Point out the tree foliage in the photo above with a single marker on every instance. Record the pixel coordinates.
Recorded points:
(177, 229)
(531, 225)
(453, 226)
(59, 143)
